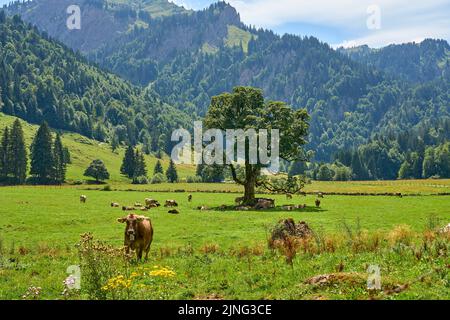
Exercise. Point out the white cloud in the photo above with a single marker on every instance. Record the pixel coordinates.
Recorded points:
(401, 20)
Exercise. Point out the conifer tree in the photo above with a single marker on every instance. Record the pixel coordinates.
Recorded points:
(59, 160)
(128, 163)
(140, 167)
(18, 154)
(158, 168)
(4, 155)
(42, 162)
(171, 173)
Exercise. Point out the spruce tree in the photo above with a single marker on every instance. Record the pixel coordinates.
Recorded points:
(171, 173)
(158, 168)
(140, 167)
(128, 163)
(42, 162)
(18, 154)
(59, 160)
(4, 155)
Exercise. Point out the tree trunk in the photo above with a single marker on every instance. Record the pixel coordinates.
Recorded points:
(249, 186)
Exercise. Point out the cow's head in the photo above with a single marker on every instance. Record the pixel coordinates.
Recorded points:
(131, 228)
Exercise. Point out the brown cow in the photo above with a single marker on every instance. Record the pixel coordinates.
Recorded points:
(317, 203)
(171, 203)
(138, 234)
(151, 203)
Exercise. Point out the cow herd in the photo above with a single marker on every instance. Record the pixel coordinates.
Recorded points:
(138, 235)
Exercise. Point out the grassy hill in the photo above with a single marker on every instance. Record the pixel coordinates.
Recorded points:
(84, 150)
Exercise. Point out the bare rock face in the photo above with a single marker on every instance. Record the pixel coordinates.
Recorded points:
(288, 228)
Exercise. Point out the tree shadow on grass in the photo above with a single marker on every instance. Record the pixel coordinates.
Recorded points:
(307, 209)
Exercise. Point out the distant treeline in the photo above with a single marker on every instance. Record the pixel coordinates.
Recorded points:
(423, 152)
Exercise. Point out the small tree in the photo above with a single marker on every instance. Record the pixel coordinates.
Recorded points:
(18, 153)
(158, 168)
(97, 170)
(171, 173)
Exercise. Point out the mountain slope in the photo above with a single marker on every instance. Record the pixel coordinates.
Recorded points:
(41, 79)
(188, 58)
(102, 21)
(416, 62)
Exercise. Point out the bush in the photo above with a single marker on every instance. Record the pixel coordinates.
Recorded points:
(140, 180)
(158, 178)
(107, 188)
(194, 179)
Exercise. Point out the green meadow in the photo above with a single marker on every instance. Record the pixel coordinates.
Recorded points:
(224, 254)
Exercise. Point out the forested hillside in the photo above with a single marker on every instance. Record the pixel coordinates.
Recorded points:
(41, 79)
(415, 62)
(187, 57)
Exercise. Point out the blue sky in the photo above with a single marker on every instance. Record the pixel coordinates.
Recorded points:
(345, 22)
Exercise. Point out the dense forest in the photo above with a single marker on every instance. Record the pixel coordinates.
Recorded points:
(41, 79)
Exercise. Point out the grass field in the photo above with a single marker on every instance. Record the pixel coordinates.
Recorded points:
(224, 254)
(218, 254)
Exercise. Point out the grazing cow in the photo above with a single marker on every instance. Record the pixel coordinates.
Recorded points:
(83, 199)
(320, 195)
(399, 194)
(317, 203)
(288, 196)
(126, 208)
(138, 234)
(174, 211)
(151, 202)
(115, 205)
(263, 203)
(171, 203)
(190, 198)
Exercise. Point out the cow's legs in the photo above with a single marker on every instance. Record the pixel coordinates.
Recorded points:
(146, 253)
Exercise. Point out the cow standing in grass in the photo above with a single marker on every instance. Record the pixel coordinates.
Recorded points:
(83, 199)
(138, 234)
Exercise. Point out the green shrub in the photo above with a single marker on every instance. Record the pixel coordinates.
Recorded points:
(193, 179)
(140, 180)
(158, 178)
